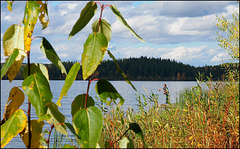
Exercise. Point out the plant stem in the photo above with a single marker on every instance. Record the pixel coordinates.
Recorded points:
(89, 82)
(29, 106)
(102, 7)
(118, 138)
(52, 126)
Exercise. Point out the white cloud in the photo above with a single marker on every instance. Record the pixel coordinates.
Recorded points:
(162, 24)
(220, 57)
(184, 53)
(7, 17)
(192, 26)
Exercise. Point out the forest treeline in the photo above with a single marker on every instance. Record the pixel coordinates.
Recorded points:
(143, 68)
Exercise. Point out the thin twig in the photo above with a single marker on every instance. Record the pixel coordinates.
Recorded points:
(52, 126)
(29, 106)
(118, 138)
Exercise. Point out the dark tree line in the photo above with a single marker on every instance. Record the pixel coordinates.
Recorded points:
(143, 68)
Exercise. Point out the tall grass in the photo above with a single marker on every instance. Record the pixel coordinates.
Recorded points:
(204, 117)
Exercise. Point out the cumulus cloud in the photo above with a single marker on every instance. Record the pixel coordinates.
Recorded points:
(169, 28)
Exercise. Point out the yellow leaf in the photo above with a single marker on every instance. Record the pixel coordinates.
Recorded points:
(43, 13)
(12, 127)
(13, 70)
(16, 99)
(36, 129)
(30, 19)
(13, 38)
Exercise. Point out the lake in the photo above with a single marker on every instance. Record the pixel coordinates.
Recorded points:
(80, 87)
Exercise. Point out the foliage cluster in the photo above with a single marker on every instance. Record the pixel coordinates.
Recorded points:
(87, 119)
(201, 117)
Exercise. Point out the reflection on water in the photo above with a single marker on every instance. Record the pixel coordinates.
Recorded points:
(80, 87)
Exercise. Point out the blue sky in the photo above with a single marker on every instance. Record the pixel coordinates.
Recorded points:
(180, 30)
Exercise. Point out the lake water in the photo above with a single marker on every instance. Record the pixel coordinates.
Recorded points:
(80, 87)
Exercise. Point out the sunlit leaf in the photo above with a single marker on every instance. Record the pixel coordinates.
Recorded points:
(36, 68)
(93, 53)
(79, 103)
(9, 62)
(50, 53)
(15, 124)
(13, 38)
(105, 90)
(104, 28)
(14, 69)
(120, 70)
(124, 22)
(72, 74)
(15, 100)
(57, 118)
(43, 13)
(9, 6)
(37, 88)
(86, 15)
(126, 143)
(88, 124)
(36, 132)
(32, 9)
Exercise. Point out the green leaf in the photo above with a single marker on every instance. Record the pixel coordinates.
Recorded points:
(72, 74)
(93, 53)
(88, 124)
(57, 118)
(9, 6)
(37, 88)
(32, 9)
(15, 100)
(15, 124)
(126, 143)
(50, 53)
(36, 68)
(136, 128)
(36, 132)
(86, 15)
(104, 28)
(79, 103)
(70, 127)
(120, 70)
(105, 90)
(123, 21)
(100, 143)
(9, 62)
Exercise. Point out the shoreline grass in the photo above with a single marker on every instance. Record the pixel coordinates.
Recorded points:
(201, 119)
(205, 116)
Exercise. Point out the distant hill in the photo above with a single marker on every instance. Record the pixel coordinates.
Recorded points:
(143, 68)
